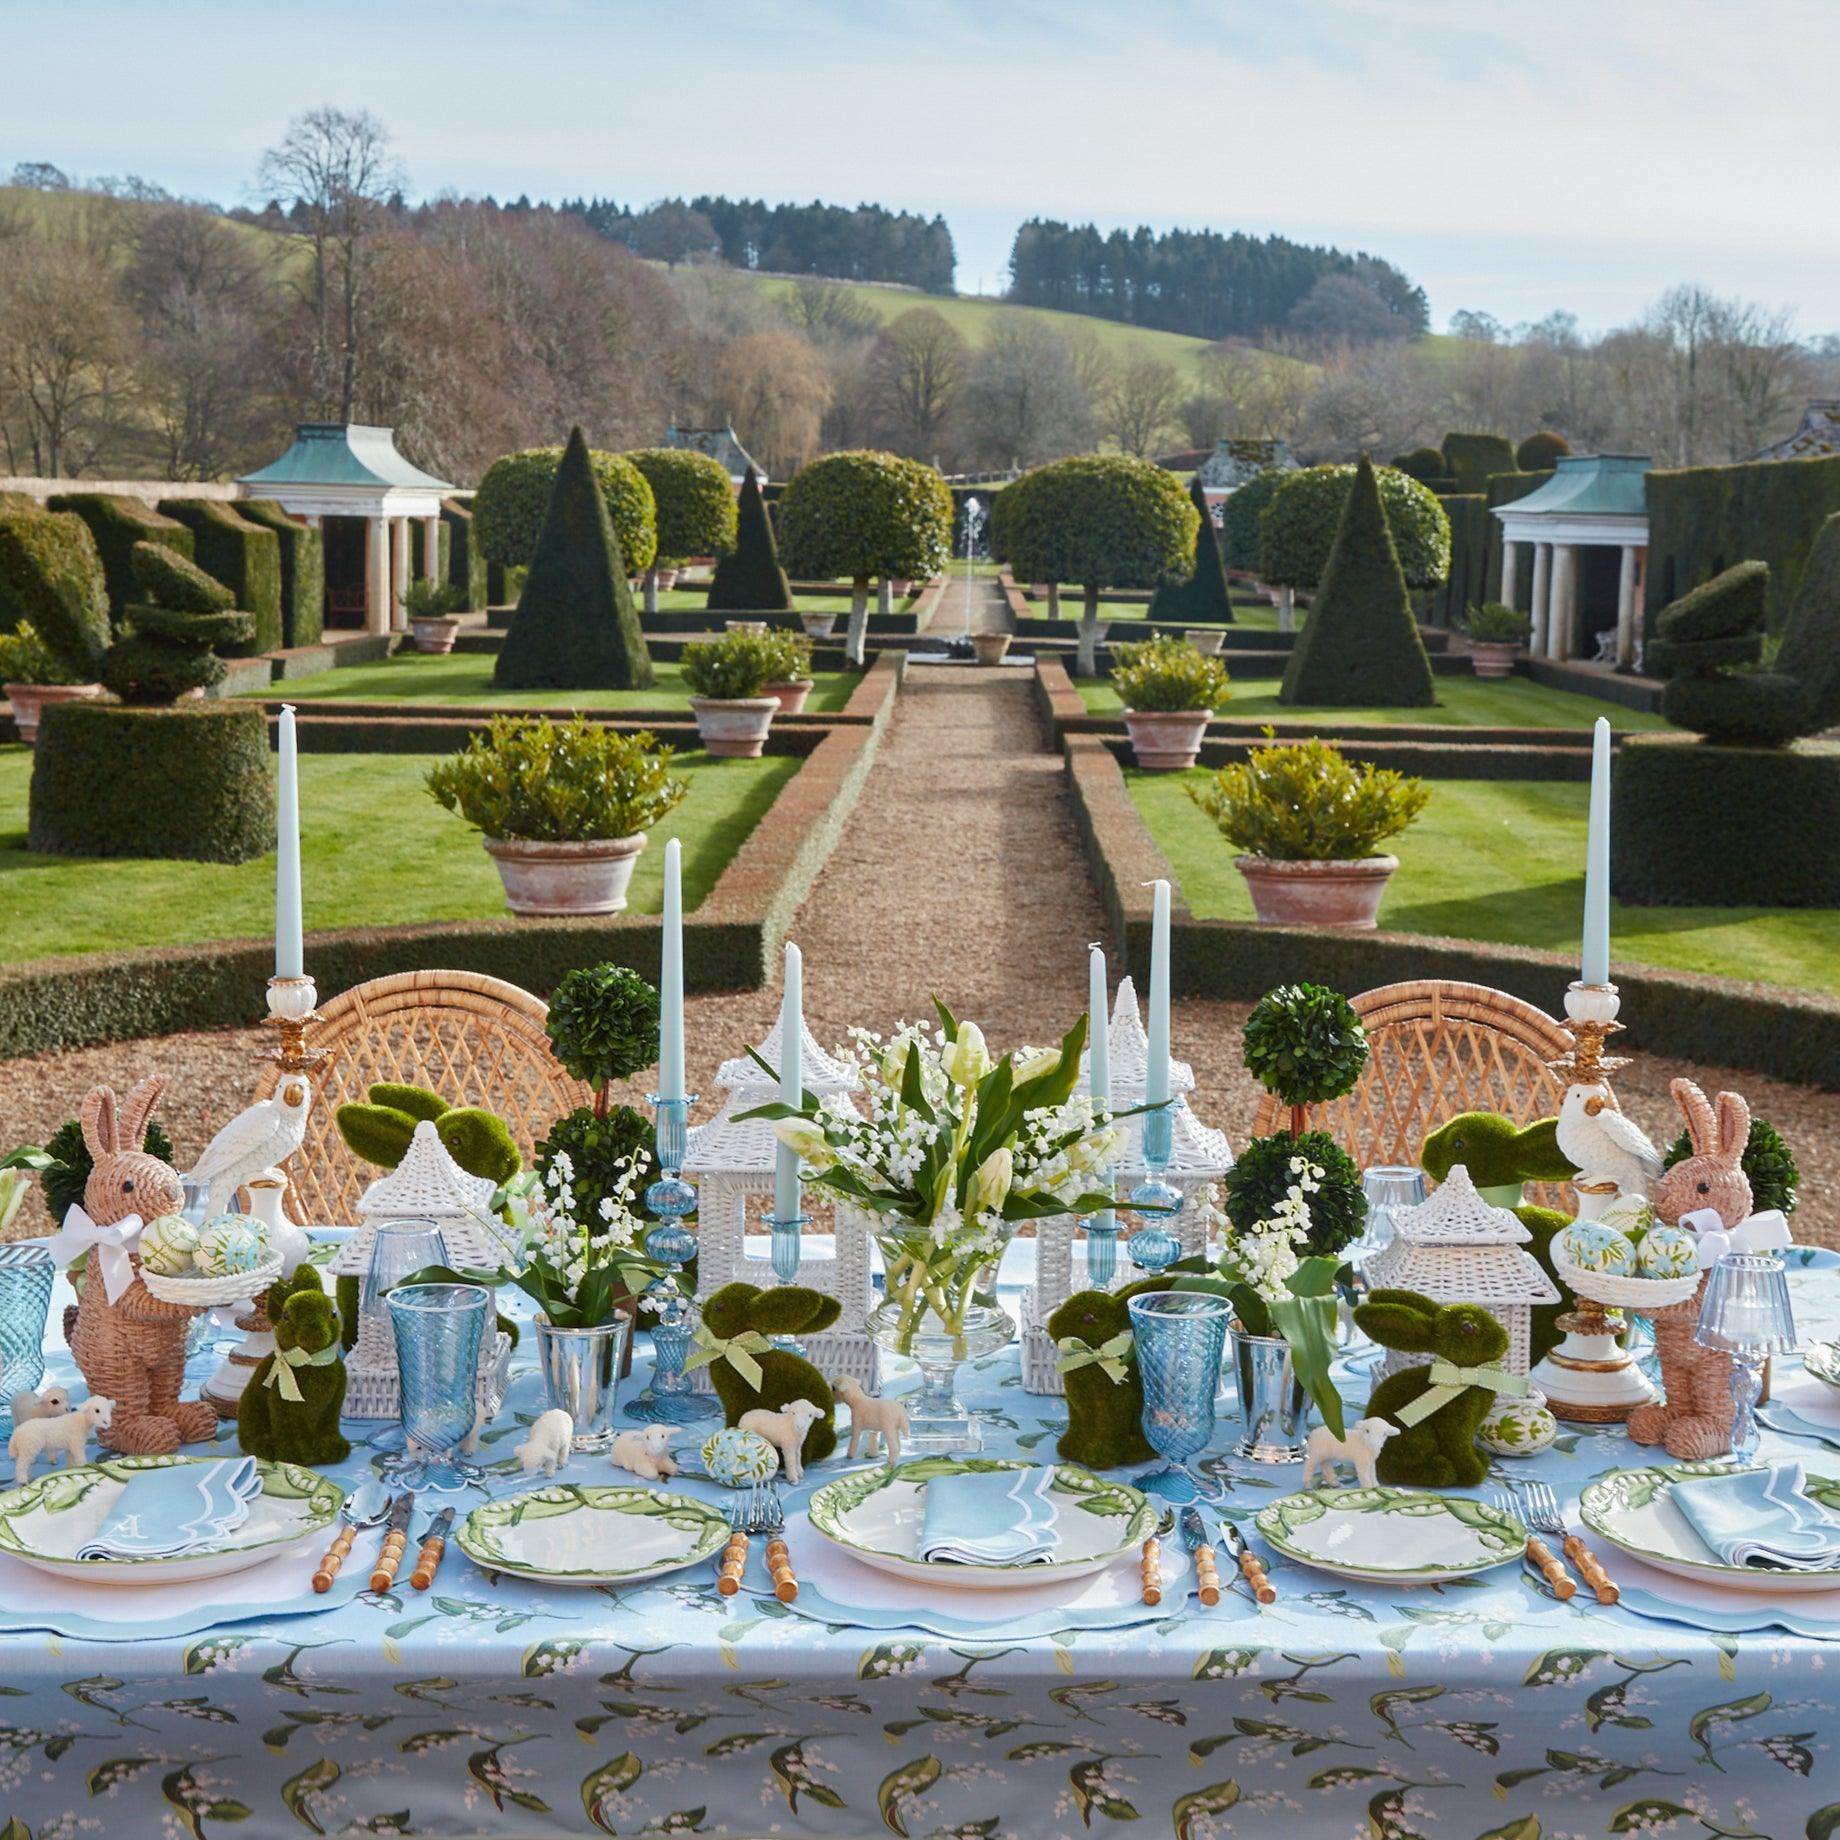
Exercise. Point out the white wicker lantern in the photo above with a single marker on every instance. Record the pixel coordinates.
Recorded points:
(426, 1185)
(1200, 1155)
(730, 1159)
(1456, 1248)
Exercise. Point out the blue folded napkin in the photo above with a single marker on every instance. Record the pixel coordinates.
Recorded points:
(164, 1513)
(1762, 1518)
(993, 1517)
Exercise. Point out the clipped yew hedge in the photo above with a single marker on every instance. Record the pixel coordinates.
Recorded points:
(244, 556)
(303, 570)
(1472, 460)
(51, 578)
(465, 560)
(117, 524)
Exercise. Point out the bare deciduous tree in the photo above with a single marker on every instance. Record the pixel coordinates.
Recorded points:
(774, 388)
(918, 367)
(1023, 397)
(1139, 404)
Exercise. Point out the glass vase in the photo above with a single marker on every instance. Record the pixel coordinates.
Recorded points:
(939, 1422)
(27, 1273)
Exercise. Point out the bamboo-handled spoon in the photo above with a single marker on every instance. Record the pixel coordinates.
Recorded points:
(364, 1507)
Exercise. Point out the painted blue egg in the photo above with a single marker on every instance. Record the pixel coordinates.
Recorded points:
(1667, 1252)
(734, 1456)
(1590, 1247)
(230, 1245)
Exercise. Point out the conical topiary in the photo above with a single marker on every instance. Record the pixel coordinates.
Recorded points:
(1201, 599)
(575, 627)
(1360, 645)
(749, 579)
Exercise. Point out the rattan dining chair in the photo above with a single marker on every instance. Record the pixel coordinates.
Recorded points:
(475, 1040)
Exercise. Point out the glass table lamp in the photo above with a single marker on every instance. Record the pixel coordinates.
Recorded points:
(1745, 1314)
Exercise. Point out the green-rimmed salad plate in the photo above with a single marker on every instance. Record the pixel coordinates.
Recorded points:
(568, 1534)
(1391, 1536)
(46, 1522)
(878, 1516)
(1822, 1360)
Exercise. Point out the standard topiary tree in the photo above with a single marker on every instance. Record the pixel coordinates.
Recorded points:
(695, 508)
(1239, 529)
(749, 579)
(1541, 451)
(1298, 528)
(513, 500)
(865, 515)
(1201, 599)
(51, 579)
(1103, 520)
(576, 627)
(1361, 644)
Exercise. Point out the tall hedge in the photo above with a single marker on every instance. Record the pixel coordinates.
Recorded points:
(863, 516)
(1472, 534)
(1201, 598)
(749, 578)
(1472, 460)
(52, 579)
(576, 627)
(1504, 489)
(244, 556)
(1297, 529)
(466, 561)
(1239, 530)
(117, 524)
(1360, 645)
(303, 570)
(695, 502)
(1810, 651)
(512, 503)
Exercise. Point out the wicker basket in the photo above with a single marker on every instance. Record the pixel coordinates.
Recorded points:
(208, 1293)
(1621, 1293)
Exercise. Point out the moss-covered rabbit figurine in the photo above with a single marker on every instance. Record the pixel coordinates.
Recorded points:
(1105, 1391)
(1436, 1445)
(732, 1342)
(289, 1411)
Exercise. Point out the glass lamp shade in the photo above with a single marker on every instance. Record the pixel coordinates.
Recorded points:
(401, 1248)
(1745, 1311)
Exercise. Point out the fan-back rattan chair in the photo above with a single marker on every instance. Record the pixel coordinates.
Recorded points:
(475, 1040)
(1439, 1047)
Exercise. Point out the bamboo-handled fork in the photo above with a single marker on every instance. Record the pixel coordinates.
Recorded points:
(1543, 1513)
(1538, 1551)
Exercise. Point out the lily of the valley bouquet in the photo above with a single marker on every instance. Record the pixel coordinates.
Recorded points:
(956, 1151)
(577, 1266)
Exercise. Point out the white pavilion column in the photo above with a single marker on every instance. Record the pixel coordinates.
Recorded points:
(1542, 597)
(1560, 634)
(1510, 569)
(399, 572)
(431, 549)
(376, 575)
(1626, 609)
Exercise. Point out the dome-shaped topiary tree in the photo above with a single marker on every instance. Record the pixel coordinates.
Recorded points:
(695, 505)
(1425, 464)
(509, 507)
(1103, 520)
(1239, 529)
(1541, 451)
(865, 515)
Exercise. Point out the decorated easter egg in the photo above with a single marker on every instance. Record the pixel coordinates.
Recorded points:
(1518, 1427)
(1667, 1252)
(231, 1244)
(167, 1245)
(1591, 1247)
(1629, 1215)
(734, 1456)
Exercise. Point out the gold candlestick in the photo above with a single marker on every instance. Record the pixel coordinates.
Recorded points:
(292, 1005)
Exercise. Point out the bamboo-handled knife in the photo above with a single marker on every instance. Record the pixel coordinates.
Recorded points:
(428, 1561)
(395, 1541)
(1249, 1564)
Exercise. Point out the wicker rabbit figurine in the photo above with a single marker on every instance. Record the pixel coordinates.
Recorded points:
(128, 1343)
(1695, 1422)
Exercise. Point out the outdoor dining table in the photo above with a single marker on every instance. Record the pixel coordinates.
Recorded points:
(484, 1706)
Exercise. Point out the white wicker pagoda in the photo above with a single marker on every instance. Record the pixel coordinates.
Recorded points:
(426, 1185)
(730, 1160)
(1457, 1248)
(1201, 1155)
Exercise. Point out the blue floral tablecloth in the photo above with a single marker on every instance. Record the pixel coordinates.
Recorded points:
(1456, 1713)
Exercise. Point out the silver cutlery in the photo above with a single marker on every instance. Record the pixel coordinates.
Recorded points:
(1539, 1553)
(770, 1519)
(734, 1554)
(394, 1541)
(1251, 1567)
(364, 1507)
(1544, 1516)
(428, 1560)
(1207, 1570)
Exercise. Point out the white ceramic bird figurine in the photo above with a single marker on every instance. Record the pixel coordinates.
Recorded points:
(1604, 1144)
(261, 1137)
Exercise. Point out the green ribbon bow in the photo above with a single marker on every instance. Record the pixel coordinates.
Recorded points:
(1448, 1380)
(1112, 1356)
(287, 1359)
(738, 1351)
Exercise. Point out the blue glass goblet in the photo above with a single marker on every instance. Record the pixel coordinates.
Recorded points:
(440, 1329)
(26, 1276)
(1180, 1336)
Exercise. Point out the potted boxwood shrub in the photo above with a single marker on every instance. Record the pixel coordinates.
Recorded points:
(30, 678)
(433, 609)
(1307, 821)
(791, 678)
(728, 680)
(563, 807)
(1496, 635)
(1169, 691)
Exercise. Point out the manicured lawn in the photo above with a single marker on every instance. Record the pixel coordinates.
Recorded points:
(1257, 616)
(376, 850)
(696, 600)
(1504, 861)
(1463, 702)
(466, 677)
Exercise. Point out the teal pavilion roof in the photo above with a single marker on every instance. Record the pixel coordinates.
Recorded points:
(344, 454)
(1588, 485)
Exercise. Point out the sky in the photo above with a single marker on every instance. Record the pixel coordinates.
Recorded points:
(1515, 159)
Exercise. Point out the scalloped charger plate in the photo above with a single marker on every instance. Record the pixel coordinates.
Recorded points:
(1391, 1535)
(568, 1534)
(877, 1516)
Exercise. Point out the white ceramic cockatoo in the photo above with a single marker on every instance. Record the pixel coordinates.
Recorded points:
(258, 1138)
(1606, 1146)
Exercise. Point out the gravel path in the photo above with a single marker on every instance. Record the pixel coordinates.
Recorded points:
(960, 872)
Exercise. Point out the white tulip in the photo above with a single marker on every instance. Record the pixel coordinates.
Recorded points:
(1032, 1063)
(803, 1136)
(990, 1186)
(967, 1059)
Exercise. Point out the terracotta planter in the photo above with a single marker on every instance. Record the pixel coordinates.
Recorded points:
(566, 878)
(734, 727)
(434, 632)
(818, 625)
(991, 648)
(1205, 639)
(1344, 894)
(900, 588)
(1166, 740)
(757, 627)
(667, 578)
(29, 699)
(791, 693)
(1493, 657)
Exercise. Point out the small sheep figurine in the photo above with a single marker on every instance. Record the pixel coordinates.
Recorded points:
(785, 1430)
(1361, 1447)
(68, 1432)
(873, 1421)
(645, 1452)
(53, 1402)
(552, 1436)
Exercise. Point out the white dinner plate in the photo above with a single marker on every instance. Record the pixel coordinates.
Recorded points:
(1391, 1535)
(568, 1534)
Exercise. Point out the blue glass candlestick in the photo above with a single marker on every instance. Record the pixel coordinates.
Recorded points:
(1158, 1144)
(1102, 1248)
(786, 1246)
(671, 1399)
